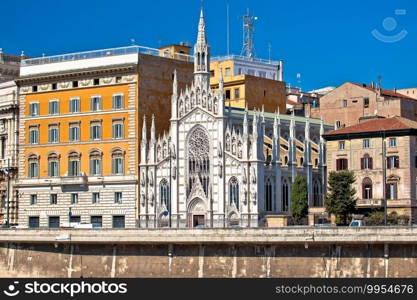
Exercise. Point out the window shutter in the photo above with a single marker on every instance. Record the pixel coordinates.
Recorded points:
(388, 163)
(387, 191)
(395, 191)
(397, 162)
(337, 164)
(346, 164)
(363, 191)
(370, 163)
(362, 163)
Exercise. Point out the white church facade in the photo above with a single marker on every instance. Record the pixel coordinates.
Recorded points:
(225, 167)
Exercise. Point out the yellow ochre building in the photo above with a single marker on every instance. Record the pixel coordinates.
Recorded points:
(78, 135)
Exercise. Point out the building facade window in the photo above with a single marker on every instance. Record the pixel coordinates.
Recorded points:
(227, 94)
(117, 162)
(118, 197)
(33, 166)
(391, 192)
(33, 135)
(53, 198)
(234, 192)
(95, 163)
(366, 102)
(96, 221)
(366, 188)
(345, 103)
(33, 199)
(341, 145)
(74, 164)
(53, 222)
(53, 165)
(393, 142)
(74, 105)
(53, 134)
(164, 194)
(33, 222)
(54, 107)
(317, 199)
(393, 162)
(95, 130)
(74, 198)
(95, 103)
(117, 129)
(75, 219)
(341, 164)
(95, 198)
(118, 101)
(366, 144)
(285, 195)
(34, 109)
(268, 195)
(118, 221)
(366, 162)
(237, 93)
(74, 132)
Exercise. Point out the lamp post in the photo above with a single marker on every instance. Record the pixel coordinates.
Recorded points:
(384, 177)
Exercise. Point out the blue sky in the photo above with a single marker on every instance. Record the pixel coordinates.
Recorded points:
(327, 42)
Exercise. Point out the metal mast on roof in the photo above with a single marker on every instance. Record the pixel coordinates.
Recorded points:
(248, 48)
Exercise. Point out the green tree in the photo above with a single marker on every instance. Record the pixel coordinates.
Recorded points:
(340, 198)
(299, 199)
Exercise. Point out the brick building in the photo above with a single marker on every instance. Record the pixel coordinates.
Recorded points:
(361, 148)
(350, 102)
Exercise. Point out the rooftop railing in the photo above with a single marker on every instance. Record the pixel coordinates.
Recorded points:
(101, 53)
(245, 58)
(132, 50)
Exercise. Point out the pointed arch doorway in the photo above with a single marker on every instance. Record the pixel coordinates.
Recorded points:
(197, 213)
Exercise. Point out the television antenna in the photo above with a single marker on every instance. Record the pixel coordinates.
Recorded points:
(248, 48)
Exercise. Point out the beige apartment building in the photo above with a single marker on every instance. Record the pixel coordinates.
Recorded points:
(360, 148)
(351, 102)
(411, 92)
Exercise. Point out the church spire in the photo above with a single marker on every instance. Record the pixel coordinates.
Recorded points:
(201, 36)
(201, 52)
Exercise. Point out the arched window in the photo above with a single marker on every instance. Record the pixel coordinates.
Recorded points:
(74, 164)
(53, 165)
(33, 166)
(317, 199)
(198, 159)
(95, 162)
(234, 192)
(366, 162)
(164, 195)
(268, 195)
(117, 161)
(367, 188)
(285, 195)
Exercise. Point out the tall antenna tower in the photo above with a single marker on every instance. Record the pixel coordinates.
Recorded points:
(248, 48)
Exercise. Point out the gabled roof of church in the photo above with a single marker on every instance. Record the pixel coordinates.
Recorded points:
(268, 115)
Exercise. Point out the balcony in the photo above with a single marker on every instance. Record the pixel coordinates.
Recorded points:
(74, 180)
(369, 203)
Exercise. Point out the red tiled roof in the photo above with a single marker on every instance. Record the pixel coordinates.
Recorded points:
(291, 102)
(389, 93)
(375, 125)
